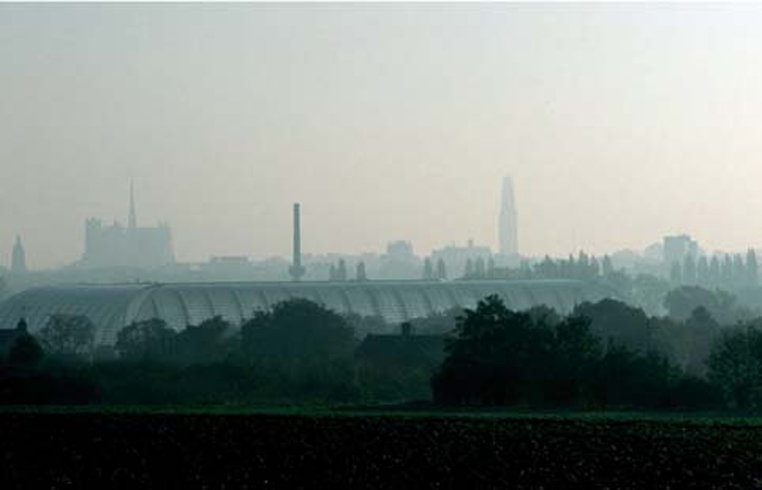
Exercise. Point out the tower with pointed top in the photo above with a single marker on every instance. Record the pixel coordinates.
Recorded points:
(509, 240)
(131, 246)
(18, 258)
(133, 221)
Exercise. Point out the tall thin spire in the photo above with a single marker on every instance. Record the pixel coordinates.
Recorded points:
(133, 222)
(18, 258)
(508, 223)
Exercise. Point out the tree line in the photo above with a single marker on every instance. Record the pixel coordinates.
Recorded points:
(705, 353)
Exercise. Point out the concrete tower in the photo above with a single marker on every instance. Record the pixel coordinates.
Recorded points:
(296, 270)
(132, 222)
(18, 259)
(509, 239)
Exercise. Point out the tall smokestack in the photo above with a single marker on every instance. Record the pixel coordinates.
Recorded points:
(296, 270)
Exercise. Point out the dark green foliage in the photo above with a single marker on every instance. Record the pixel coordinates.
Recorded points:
(735, 366)
(209, 342)
(681, 303)
(618, 322)
(48, 382)
(297, 329)
(25, 351)
(150, 340)
(68, 335)
(502, 357)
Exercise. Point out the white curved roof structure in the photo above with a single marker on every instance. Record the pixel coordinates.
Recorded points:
(112, 307)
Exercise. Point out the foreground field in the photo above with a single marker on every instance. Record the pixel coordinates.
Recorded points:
(215, 450)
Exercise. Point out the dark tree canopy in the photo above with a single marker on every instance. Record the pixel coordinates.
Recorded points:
(25, 351)
(146, 340)
(68, 335)
(681, 303)
(208, 342)
(735, 365)
(298, 328)
(500, 356)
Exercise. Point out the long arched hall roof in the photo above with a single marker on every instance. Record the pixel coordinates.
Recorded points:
(111, 307)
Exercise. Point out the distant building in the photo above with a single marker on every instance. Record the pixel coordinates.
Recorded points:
(18, 258)
(455, 257)
(509, 239)
(133, 246)
(406, 349)
(399, 262)
(678, 247)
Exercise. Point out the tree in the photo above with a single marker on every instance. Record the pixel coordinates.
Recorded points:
(606, 266)
(205, 343)
(681, 302)
(428, 270)
(752, 269)
(618, 322)
(484, 360)
(735, 366)
(480, 271)
(702, 272)
(441, 270)
(341, 271)
(297, 329)
(689, 270)
(739, 271)
(361, 276)
(676, 274)
(468, 273)
(702, 330)
(68, 335)
(25, 351)
(714, 272)
(727, 272)
(146, 340)
(499, 356)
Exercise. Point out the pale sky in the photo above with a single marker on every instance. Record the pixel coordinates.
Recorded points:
(618, 123)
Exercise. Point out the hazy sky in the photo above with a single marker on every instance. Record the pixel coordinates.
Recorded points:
(619, 124)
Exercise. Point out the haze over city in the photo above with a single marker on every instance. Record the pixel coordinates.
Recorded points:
(619, 124)
(387, 245)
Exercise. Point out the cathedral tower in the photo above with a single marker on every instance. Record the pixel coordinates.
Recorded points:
(509, 240)
(18, 259)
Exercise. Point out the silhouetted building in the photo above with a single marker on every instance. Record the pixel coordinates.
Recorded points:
(297, 270)
(18, 258)
(509, 239)
(133, 246)
(455, 258)
(399, 262)
(405, 349)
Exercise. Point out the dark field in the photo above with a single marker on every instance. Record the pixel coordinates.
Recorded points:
(217, 450)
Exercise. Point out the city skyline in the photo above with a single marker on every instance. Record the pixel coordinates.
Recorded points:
(383, 123)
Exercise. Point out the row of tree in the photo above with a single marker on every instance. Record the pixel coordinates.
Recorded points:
(705, 352)
(728, 272)
(602, 355)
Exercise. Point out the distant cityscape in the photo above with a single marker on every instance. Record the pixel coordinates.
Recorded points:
(135, 253)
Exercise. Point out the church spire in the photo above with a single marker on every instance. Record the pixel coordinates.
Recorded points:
(133, 222)
(18, 258)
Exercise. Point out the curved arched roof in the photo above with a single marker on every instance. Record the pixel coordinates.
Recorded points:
(111, 307)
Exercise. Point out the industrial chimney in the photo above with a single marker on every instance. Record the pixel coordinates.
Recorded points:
(296, 270)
